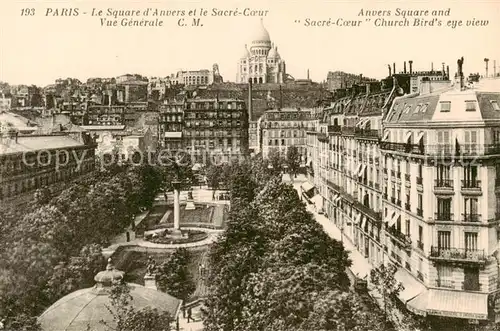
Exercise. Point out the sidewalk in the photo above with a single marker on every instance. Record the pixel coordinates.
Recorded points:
(360, 266)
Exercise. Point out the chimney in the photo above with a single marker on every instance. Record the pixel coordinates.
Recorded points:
(486, 60)
(444, 72)
(460, 64)
(307, 74)
(494, 68)
(448, 72)
(389, 66)
(404, 67)
(250, 101)
(411, 66)
(432, 66)
(394, 67)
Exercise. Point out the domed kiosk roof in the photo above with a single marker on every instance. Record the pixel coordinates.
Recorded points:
(89, 307)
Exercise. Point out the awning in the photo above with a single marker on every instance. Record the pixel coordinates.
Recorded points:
(306, 186)
(389, 217)
(357, 219)
(363, 223)
(419, 136)
(457, 304)
(386, 135)
(361, 170)
(407, 135)
(363, 124)
(173, 135)
(357, 169)
(318, 201)
(412, 287)
(393, 219)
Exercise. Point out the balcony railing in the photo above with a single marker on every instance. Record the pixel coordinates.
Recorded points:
(393, 200)
(334, 128)
(403, 148)
(448, 283)
(458, 254)
(323, 137)
(463, 150)
(471, 185)
(398, 174)
(497, 182)
(393, 173)
(348, 130)
(384, 196)
(420, 245)
(407, 177)
(366, 133)
(443, 217)
(473, 218)
(408, 206)
(402, 238)
(420, 212)
(476, 287)
(443, 184)
(420, 276)
(419, 180)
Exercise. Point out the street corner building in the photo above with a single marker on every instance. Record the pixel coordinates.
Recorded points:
(409, 170)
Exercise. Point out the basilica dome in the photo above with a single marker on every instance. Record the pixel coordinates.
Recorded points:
(261, 36)
(89, 307)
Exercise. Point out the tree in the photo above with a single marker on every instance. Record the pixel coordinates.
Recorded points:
(275, 160)
(174, 276)
(214, 175)
(293, 160)
(386, 284)
(20, 322)
(127, 318)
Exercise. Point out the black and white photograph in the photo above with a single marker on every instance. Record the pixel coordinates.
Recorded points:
(238, 165)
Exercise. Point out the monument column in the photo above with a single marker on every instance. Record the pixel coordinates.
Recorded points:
(177, 207)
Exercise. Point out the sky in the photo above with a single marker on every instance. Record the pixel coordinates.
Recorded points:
(39, 49)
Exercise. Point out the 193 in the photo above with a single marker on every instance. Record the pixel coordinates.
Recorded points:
(28, 12)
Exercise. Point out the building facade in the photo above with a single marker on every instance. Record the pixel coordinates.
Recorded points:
(283, 128)
(411, 179)
(261, 63)
(170, 126)
(215, 129)
(29, 162)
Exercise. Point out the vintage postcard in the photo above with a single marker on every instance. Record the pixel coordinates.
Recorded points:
(226, 165)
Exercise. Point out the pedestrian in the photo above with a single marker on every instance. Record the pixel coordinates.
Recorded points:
(183, 309)
(190, 318)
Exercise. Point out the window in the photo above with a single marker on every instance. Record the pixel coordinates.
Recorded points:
(445, 276)
(445, 106)
(417, 108)
(408, 228)
(470, 176)
(444, 239)
(470, 105)
(470, 210)
(471, 141)
(443, 174)
(443, 209)
(420, 233)
(470, 241)
(495, 105)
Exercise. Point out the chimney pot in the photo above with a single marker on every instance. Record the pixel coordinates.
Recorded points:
(404, 67)
(389, 66)
(411, 66)
(394, 67)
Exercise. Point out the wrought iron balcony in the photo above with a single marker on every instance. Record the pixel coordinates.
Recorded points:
(403, 239)
(419, 180)
(323, 137)
(384, 196)
(393, 173)
(334, 128)
(471, 186)
(407, 177)
(393, 200)
(420, 245)
(398, 174)
(469, 286)
(443, 217)
(420, 212)
(472, 218)
(366, 133)
(403, 148)
(408, 206)
(443, 184)
(458, 254)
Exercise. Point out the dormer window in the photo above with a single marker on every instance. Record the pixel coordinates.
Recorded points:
(470, 105)
(424, 108)
(445, 106)
(407, 109)
(417, 109)
(495, 105)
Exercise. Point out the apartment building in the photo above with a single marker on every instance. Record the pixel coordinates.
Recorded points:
(282, 128)
(215, 129)
(411, 179)
(171, 125)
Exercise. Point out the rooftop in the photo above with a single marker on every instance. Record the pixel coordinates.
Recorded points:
(30, 143)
